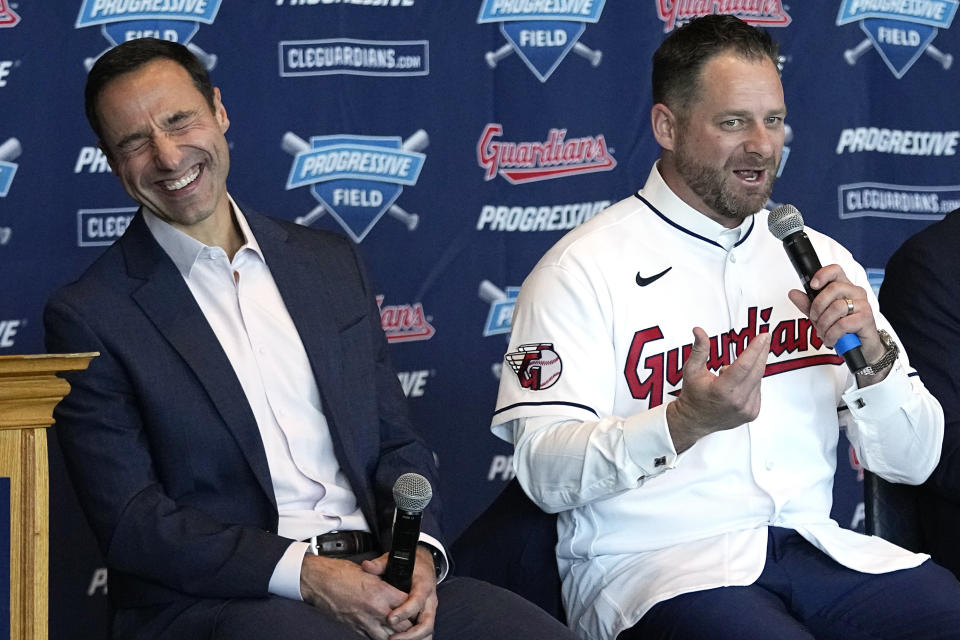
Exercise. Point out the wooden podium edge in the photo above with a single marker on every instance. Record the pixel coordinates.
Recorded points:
(30, 387)
(29, 390)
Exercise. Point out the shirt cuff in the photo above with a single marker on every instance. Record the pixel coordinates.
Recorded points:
(285, 581)
(648, 442)
(869, 404)
(430, 541)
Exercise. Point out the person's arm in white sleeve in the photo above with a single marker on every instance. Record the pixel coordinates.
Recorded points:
(571, 448)
(285, 581)
(896, 425)
(563, 463)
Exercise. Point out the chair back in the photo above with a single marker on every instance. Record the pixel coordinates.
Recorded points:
(513, 545)
(892, 512)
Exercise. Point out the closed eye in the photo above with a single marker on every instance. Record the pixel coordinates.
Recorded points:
(179, 121)
(132, 144)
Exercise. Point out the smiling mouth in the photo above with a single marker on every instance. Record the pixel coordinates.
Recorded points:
(751, 176)
(176, 185)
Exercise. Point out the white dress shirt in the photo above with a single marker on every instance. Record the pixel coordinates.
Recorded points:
(240, 300)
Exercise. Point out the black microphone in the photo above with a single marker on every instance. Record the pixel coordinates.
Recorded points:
(786, 224)
(411, 493)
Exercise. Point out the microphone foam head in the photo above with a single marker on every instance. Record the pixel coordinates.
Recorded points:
(412, 492)
(784, 220)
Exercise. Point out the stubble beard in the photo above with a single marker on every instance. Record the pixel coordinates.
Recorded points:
(712, 186)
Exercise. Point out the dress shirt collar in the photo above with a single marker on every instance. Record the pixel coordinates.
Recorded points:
(679, 213)
(183, 249)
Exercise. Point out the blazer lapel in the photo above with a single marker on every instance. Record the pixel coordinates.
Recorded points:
(167, 301)
(301, 280)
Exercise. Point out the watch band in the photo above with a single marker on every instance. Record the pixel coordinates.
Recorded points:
(886, 360)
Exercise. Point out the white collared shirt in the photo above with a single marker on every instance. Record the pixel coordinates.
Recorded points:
(241, 302)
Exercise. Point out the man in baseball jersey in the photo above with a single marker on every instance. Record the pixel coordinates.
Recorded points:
(705, 514)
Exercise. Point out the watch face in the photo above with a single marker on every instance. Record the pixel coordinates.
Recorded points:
(891, 344)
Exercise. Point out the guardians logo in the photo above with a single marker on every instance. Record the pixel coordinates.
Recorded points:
(665, 370)
(899, 31)
(356, 178)
(760, 13)
(537, 365)
(557, 157)
(404, 322)
(8, 17)
(9, 151)
(175, 20)
(541, 32)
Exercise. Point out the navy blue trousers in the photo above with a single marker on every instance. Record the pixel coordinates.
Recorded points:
(468, 610)
(804, 594)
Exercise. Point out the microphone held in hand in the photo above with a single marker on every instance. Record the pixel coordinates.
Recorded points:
(411, 493)
(786, 224)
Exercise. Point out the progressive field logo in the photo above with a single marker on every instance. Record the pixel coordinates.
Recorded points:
(9, 151)
(899, 31)
(541, 33)
(357, 179)
(175, 20)
(500, 317)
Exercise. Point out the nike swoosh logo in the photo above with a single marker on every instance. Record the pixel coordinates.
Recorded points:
(644, 281)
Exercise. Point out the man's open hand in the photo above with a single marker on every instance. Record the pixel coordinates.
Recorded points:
(714, 402)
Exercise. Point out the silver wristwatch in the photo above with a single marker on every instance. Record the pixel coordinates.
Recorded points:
(885, 361)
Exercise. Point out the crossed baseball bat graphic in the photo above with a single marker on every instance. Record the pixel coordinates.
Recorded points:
(854, 54)
(209, 60)
(493, 58)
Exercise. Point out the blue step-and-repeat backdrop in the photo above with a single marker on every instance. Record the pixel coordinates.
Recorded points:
(502, 124)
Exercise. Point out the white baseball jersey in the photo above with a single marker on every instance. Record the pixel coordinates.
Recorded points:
(601, 329)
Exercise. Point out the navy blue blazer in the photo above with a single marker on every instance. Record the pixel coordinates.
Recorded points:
(920, 296)
(160, 442)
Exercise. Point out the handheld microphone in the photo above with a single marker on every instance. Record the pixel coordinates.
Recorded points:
(786, 224)
(411, 493)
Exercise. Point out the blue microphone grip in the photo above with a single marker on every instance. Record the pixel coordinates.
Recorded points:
(848, 346)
